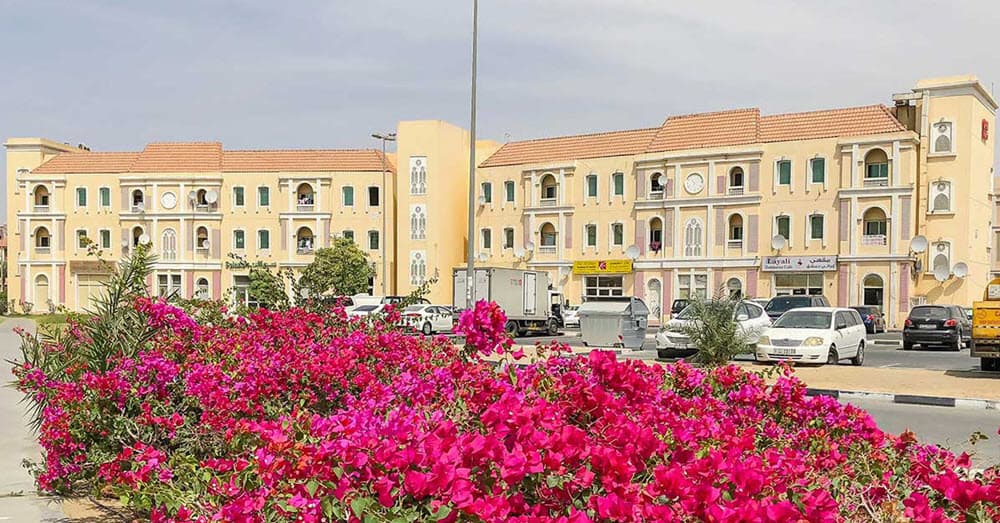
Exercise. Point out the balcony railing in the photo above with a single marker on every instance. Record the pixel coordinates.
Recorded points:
(734, 244)
(41, 208)
(656, 194)
(304, 247)
(305, 206)
(548, 202)
(42, 250)
(873, 239)
(876, 182)
(736, 191)
(547, 249)
(138, 207)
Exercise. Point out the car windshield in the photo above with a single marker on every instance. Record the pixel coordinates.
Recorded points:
(804, 320)
(366, 308)
(686, 313)
(929, 313)
(415, 308)
(786, 303)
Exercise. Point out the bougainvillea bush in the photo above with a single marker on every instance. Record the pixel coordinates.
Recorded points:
(296, 416)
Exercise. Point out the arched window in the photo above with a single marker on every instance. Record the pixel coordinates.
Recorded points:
(656, 234)
(875, 227)
(656, 185)
(41, 289)
(941, 257)
(692, 237)
(735, 230)
(735, 288)
(201, 289)
(136, 235)
(41, 198)
(43, 241)
(550, 189)
(305, 198)
(654, 298)
(942, 137)
(876, 169)
(304, 240)
(940, 196)
(873, 288)
(168, 244)
(138, 200)
(548, 234)
(418, 175)
(418, 268)
(418, 223)
(201, 197)
(201, 238)
(736, 181)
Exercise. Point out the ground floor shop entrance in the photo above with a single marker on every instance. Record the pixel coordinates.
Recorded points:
(798, 284)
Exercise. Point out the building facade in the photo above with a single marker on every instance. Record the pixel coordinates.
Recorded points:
(825, 202)
(195, 203)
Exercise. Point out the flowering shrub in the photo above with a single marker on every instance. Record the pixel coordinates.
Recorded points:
(296, 416)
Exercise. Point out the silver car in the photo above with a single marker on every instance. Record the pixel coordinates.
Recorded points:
(671, 340)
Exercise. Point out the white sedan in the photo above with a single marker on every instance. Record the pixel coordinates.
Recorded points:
(428, 319)
(363, 311)
(571, 316)
(816, 335)
(671, 340)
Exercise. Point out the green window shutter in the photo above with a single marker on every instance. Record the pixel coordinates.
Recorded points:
(509, 188)
(238, 197)
(81, 196)
(263, 239)
(783, 226)
(263, 196)
(105, 239)
(105, 197)
(488, 192)
(591, 235)
(239, 239)
(619, 185)
(348, 196)
(819, 170)
(817, 227)
(785, 172)
(592, 186)
(349, 235)
(619, 234)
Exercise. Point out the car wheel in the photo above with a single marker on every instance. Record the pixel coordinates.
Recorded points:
(511, 328)
(833, 358)
(957, 345)
(553, 328)
(859, 359)
(428, 330)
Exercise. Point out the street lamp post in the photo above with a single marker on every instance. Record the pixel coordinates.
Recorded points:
(471, 245)
(386, 137)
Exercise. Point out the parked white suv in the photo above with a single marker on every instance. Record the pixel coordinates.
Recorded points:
(672, 342)
(815, 335)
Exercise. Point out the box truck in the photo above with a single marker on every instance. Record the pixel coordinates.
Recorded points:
(523, 295)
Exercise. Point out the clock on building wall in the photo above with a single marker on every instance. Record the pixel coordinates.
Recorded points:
(694, 183)
(168, 200)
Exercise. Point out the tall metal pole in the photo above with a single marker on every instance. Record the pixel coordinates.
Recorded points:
(382, 240)
(471, 246)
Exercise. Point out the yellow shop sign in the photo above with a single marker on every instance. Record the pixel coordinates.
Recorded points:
(602, 267)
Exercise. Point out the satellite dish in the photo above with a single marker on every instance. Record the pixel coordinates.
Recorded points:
(205, 244)
(778, 242)
(211, 196)
(941, 273)
(530, 246)
(960, 270)
(144, 239)
(632, 252)
(193, 195)
(918, 244)
(483, 257)
(519, 252)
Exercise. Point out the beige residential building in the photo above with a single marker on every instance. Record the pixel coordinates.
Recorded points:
(823, 202)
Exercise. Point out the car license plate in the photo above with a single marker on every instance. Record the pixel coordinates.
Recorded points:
(784, 352)
(928, 326)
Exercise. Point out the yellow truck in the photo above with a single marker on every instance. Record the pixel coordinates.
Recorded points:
(986, 328)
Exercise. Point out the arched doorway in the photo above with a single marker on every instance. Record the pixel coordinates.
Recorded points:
(735, 288)
(654, 298)
(41, 290)
(874, 290)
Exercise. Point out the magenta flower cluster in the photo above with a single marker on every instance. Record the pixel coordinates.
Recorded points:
(295, 416)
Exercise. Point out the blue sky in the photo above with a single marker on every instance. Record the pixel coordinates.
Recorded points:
(118, 74)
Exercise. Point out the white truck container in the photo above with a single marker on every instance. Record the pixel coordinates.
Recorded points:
(523, 295)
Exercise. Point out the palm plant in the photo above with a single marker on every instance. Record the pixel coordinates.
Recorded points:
(714, 329)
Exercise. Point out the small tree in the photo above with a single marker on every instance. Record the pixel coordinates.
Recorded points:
(713, 329)
(342, 269)
(266, 287)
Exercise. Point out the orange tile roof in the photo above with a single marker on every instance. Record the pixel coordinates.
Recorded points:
(697, 131)
(192, 157)
(599, 145)
(702, 130)
(356, 160)
(83, 162)
(851, 121)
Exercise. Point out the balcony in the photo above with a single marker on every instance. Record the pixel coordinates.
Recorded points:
(41, 208)
(138, 207)
(735, 191)
(876, 182)
(547, 249)
(43, 250)
(735, 244)
(548, 202)
(655, 194)
(305, 206)
(873, 239)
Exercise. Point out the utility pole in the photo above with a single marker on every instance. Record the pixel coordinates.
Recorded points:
(471, 247)
(386, 137)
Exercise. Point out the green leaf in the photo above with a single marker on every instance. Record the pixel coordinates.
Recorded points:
(360, 505)
(442, 512)
(311, 487)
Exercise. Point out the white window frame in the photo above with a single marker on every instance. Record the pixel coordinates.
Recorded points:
(416, 233)
(597, 236)
(414, 177)
(368, 246)
(791, 174)
(702, 237)
(482, 240)
(76, 238)
(99, 190)
(100, 233)
(586, 187)
(76, 197)
(809, 173)
(512, 202)
(198, 291)
(932, 194)
(791, 227)
(163, 243)
(131, 198)
(692, 277)
(611, 188)
(482, 192)
(611, 235)
(343, 196)
(932, 252)
(950, 122)
(368, 197)
(208, 236)
(244, 233)
(729, 230)
(260, 205)
(503, 244)
(170, 288)
(244, 189)
(261, 247)
(808, 230)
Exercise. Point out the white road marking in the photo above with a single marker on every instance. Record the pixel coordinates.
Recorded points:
(889, 365)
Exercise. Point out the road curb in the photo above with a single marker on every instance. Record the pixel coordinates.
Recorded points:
(907, 399)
